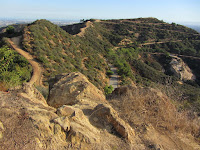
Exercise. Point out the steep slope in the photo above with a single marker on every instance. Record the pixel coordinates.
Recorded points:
(60, 52)
(124, 43)
(135, 43)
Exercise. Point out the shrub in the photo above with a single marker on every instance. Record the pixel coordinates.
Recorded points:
(15, 69)
(109, 72)
(108, 89)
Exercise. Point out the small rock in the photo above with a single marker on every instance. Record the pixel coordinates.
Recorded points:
(38, 142)
(1, 135)
(95, 119)
(57, 129)
(70, 111)
(1, 126)
(65, 110)
(63, 122)
(111, 118)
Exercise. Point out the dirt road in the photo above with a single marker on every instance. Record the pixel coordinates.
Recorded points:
(37, 70)
(114, 79)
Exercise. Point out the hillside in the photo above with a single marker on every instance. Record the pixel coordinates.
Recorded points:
(60, 52)
(141, 49)
(156, 65)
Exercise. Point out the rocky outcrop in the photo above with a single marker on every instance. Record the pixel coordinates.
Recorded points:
(89, 122)
(180, 69)
(88, 107)
(105, 115)
(81, 131)
(74, 88)
(27, 122)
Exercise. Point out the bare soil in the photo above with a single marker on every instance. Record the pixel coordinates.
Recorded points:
(37, 70)
(87, 25)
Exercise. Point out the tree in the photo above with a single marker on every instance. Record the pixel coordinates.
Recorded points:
(10, 29)
(82, 20)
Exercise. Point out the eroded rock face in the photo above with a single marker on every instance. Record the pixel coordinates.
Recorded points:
(72, 89)
(27, 124)
(63, 122)
(81, 130)
(180, 69)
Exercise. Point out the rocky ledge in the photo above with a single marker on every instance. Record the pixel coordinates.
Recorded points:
(77, 117)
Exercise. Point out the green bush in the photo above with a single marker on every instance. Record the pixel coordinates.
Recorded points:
(109, 72)
(108, 89)
(14, 69)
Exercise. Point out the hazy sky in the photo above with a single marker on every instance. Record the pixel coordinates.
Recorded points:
(167, 10)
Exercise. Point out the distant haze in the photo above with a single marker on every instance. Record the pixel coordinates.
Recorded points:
(195, 27)
(6, 22)
(174, 10)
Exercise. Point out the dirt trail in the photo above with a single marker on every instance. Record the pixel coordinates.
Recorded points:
(37, 70)
(171, 54)
(114, 79)
(87, 25)
(159, 42)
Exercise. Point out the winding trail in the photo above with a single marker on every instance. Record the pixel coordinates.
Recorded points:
(114, 79)
(82, 30)
(37, 70)
(171, 54)
(152, 43)
(87, 25)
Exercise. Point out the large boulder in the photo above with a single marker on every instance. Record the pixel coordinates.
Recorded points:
(104, 116)
(74, 88)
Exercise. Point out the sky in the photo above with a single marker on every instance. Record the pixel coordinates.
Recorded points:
(167, 10)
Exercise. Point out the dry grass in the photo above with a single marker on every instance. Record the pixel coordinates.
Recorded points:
(143, 106)
(3, 87)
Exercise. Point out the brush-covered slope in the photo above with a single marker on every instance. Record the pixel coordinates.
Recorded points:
(14, 69)
(60, 52)
(142, 50)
